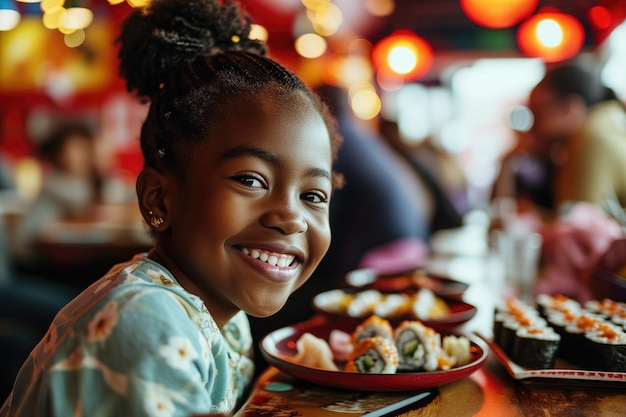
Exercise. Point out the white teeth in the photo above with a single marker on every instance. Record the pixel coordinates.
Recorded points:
(274, 259)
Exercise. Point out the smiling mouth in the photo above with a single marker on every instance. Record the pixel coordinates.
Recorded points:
(281, 260)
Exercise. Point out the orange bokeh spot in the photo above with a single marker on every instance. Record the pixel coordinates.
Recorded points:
(498, 13)
(402, 56)
(551, 35)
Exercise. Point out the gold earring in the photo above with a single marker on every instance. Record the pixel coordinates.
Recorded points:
(155, 221)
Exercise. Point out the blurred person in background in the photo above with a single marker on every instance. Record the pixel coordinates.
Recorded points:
(383, 208)
(28, 302)
(577, 144)
(526, 177)
(574, 109)
(70, 185)
(440, 172)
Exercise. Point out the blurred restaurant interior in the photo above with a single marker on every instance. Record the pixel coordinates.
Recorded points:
(455, 74)
(447, 72)
(461, 91)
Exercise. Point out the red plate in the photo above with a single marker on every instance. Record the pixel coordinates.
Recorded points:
(460, 312)
(279, 347)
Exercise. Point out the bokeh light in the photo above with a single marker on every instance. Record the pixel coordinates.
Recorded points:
(310, 45)
(498, 13)
(551, 35)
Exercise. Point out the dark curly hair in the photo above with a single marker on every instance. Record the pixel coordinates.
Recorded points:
(571, 79)
(190, 58)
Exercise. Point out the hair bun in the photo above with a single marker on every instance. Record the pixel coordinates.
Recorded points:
(159, 38)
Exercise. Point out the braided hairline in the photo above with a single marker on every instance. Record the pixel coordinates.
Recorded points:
(186, 108)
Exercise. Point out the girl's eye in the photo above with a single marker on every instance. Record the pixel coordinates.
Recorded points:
(250, 181)
(314, 197)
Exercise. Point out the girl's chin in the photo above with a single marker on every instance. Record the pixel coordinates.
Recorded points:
(264, 312)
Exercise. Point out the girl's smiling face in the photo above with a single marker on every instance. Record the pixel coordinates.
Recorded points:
(248, 222)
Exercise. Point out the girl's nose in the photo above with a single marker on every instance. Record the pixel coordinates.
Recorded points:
(286, 218)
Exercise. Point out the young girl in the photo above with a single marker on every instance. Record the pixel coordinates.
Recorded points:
(236, 188)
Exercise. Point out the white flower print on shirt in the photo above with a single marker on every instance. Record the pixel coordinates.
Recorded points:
(179, 352)
(101, 326)
(157, 402)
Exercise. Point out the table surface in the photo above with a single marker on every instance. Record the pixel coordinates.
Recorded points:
(490, 391)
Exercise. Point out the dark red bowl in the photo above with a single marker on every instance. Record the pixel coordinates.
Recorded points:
(460, 312)
(279, 347)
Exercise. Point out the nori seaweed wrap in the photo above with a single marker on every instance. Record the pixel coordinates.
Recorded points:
(607, 348)
(535, 347)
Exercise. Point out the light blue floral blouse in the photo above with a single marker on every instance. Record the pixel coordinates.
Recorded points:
(135, 343)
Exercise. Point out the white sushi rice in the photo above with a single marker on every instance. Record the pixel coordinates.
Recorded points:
(364, 303)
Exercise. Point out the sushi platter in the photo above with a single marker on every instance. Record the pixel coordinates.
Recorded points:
(280, 349)
(562, 373)
(354, 305)
(560, 339)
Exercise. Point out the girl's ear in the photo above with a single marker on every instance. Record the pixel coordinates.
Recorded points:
(152, 197)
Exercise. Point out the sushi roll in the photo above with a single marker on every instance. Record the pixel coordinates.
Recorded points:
(393, 305)
(511, 325)
(609, 309)
(535, 347)
(578, 348)
(334, 301)
(498, 321)
(425, 305)
(569, 347)
(547, 303)
(373, 355)
(607, 348)
(372, 326)
(419, 346)
(363, 303)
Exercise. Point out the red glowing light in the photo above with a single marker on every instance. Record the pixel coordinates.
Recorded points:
(600, 17)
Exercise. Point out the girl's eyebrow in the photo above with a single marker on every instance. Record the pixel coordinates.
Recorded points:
(250, 151)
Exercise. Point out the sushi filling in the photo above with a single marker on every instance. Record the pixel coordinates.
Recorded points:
(370, 362)
(411, 350)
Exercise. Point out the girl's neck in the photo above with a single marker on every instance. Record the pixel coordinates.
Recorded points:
(219, 311)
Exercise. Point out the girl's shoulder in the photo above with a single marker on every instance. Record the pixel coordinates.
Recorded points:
(143, 290)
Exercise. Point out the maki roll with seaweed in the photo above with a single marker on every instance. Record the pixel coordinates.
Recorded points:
(373, 355)
(549, 303)
(578, 345)
(511, 326)
(570, 348)
(607, 348)
(372, 326)
(535, 347)
(419, 346)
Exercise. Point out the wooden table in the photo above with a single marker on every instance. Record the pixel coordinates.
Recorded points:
(490, 391)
